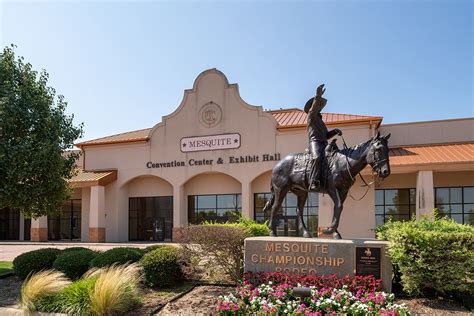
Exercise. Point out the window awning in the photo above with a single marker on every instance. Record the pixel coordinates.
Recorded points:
(92, 178)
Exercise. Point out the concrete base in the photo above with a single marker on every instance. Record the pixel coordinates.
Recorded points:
(319, 256)
(96, 234)
(39, 234)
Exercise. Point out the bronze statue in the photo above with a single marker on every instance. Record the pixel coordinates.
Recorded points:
(318, 135)
(300, 173)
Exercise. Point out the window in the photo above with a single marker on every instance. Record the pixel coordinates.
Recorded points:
(216, 208)
(9, 224)
(67, 223)
(150, 218)
(456, 203)
(396, 204)
(287, 220)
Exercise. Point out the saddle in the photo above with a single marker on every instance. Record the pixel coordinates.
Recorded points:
(303, 162)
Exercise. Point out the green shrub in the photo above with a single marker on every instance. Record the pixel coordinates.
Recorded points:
(34, 261)
(74, 249)
(74, 263)
(154, 247)
(431, 254)
(120, 255)
(253, 228)
(161, 266)
(75, 299)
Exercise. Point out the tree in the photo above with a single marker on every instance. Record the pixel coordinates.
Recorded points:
(35, 134)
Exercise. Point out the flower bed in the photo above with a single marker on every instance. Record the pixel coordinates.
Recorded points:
(352, 283)
(269, 298)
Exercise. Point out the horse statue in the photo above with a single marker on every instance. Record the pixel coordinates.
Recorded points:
(340, 168)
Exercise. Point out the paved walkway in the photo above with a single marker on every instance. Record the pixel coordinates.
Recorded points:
(10, 249)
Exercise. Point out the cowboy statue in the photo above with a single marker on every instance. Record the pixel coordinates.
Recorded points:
(318, 136)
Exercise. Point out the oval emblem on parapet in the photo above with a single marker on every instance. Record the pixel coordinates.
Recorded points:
(210, 114)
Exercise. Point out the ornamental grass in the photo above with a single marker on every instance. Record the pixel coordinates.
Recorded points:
(116, 289)
(39, 285)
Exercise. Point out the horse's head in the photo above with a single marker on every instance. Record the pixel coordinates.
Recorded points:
(377, 157)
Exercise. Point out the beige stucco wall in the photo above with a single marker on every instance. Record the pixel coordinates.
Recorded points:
(149, 186)
(398, 181)
(453, 179)
(430, 132)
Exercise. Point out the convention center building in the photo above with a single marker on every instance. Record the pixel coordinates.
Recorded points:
(212, 159)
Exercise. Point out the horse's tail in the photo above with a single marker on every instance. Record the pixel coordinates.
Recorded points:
(270, 202)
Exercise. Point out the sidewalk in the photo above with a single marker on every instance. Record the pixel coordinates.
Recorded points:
(10, 249)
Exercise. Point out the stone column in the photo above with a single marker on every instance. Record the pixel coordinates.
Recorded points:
(247, 200)
(22, 227)
(180, 212)
(39, 229)
(424, 194)
(85, 213)
(97, 214)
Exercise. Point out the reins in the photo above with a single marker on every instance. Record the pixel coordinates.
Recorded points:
(349, 167)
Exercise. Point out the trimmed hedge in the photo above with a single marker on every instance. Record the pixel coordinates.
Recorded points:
(74, 262)
(34, 261)
(431, 255)
(252, 228)
(119, 255)
(74, 249)
(161, 266)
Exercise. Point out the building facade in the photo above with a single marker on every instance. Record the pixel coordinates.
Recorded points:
(211, 159)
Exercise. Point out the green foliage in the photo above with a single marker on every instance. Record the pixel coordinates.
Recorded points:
(6, 267)
(253, 228)
(154, 247)
(35, 261)
(119, 255)
(74, 249)
(74, 263)
(34, 135)
(75, 299)
(161, 266)
(431, 254)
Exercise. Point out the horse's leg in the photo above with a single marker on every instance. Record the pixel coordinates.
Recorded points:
(302, 196)
(338, 200)
(279, 197)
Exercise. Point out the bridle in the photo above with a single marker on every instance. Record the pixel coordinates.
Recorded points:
(375, 170)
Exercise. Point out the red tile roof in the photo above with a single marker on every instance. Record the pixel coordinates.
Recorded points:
(290, 118)
(432, 154)
(287, 118)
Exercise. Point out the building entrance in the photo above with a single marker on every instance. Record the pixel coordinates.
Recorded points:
(9, 224)
(67, 224)
(150, 218)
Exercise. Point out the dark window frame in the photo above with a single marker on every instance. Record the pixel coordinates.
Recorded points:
(193, 214)
(167, 234)
(411, 206)
(284, 208)
(73, 225)
(462, 204)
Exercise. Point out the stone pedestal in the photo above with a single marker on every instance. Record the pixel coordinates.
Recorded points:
(319, 256)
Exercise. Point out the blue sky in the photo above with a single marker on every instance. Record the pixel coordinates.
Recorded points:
(123, 65)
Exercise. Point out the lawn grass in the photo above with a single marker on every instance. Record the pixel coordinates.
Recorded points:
(6, 267)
